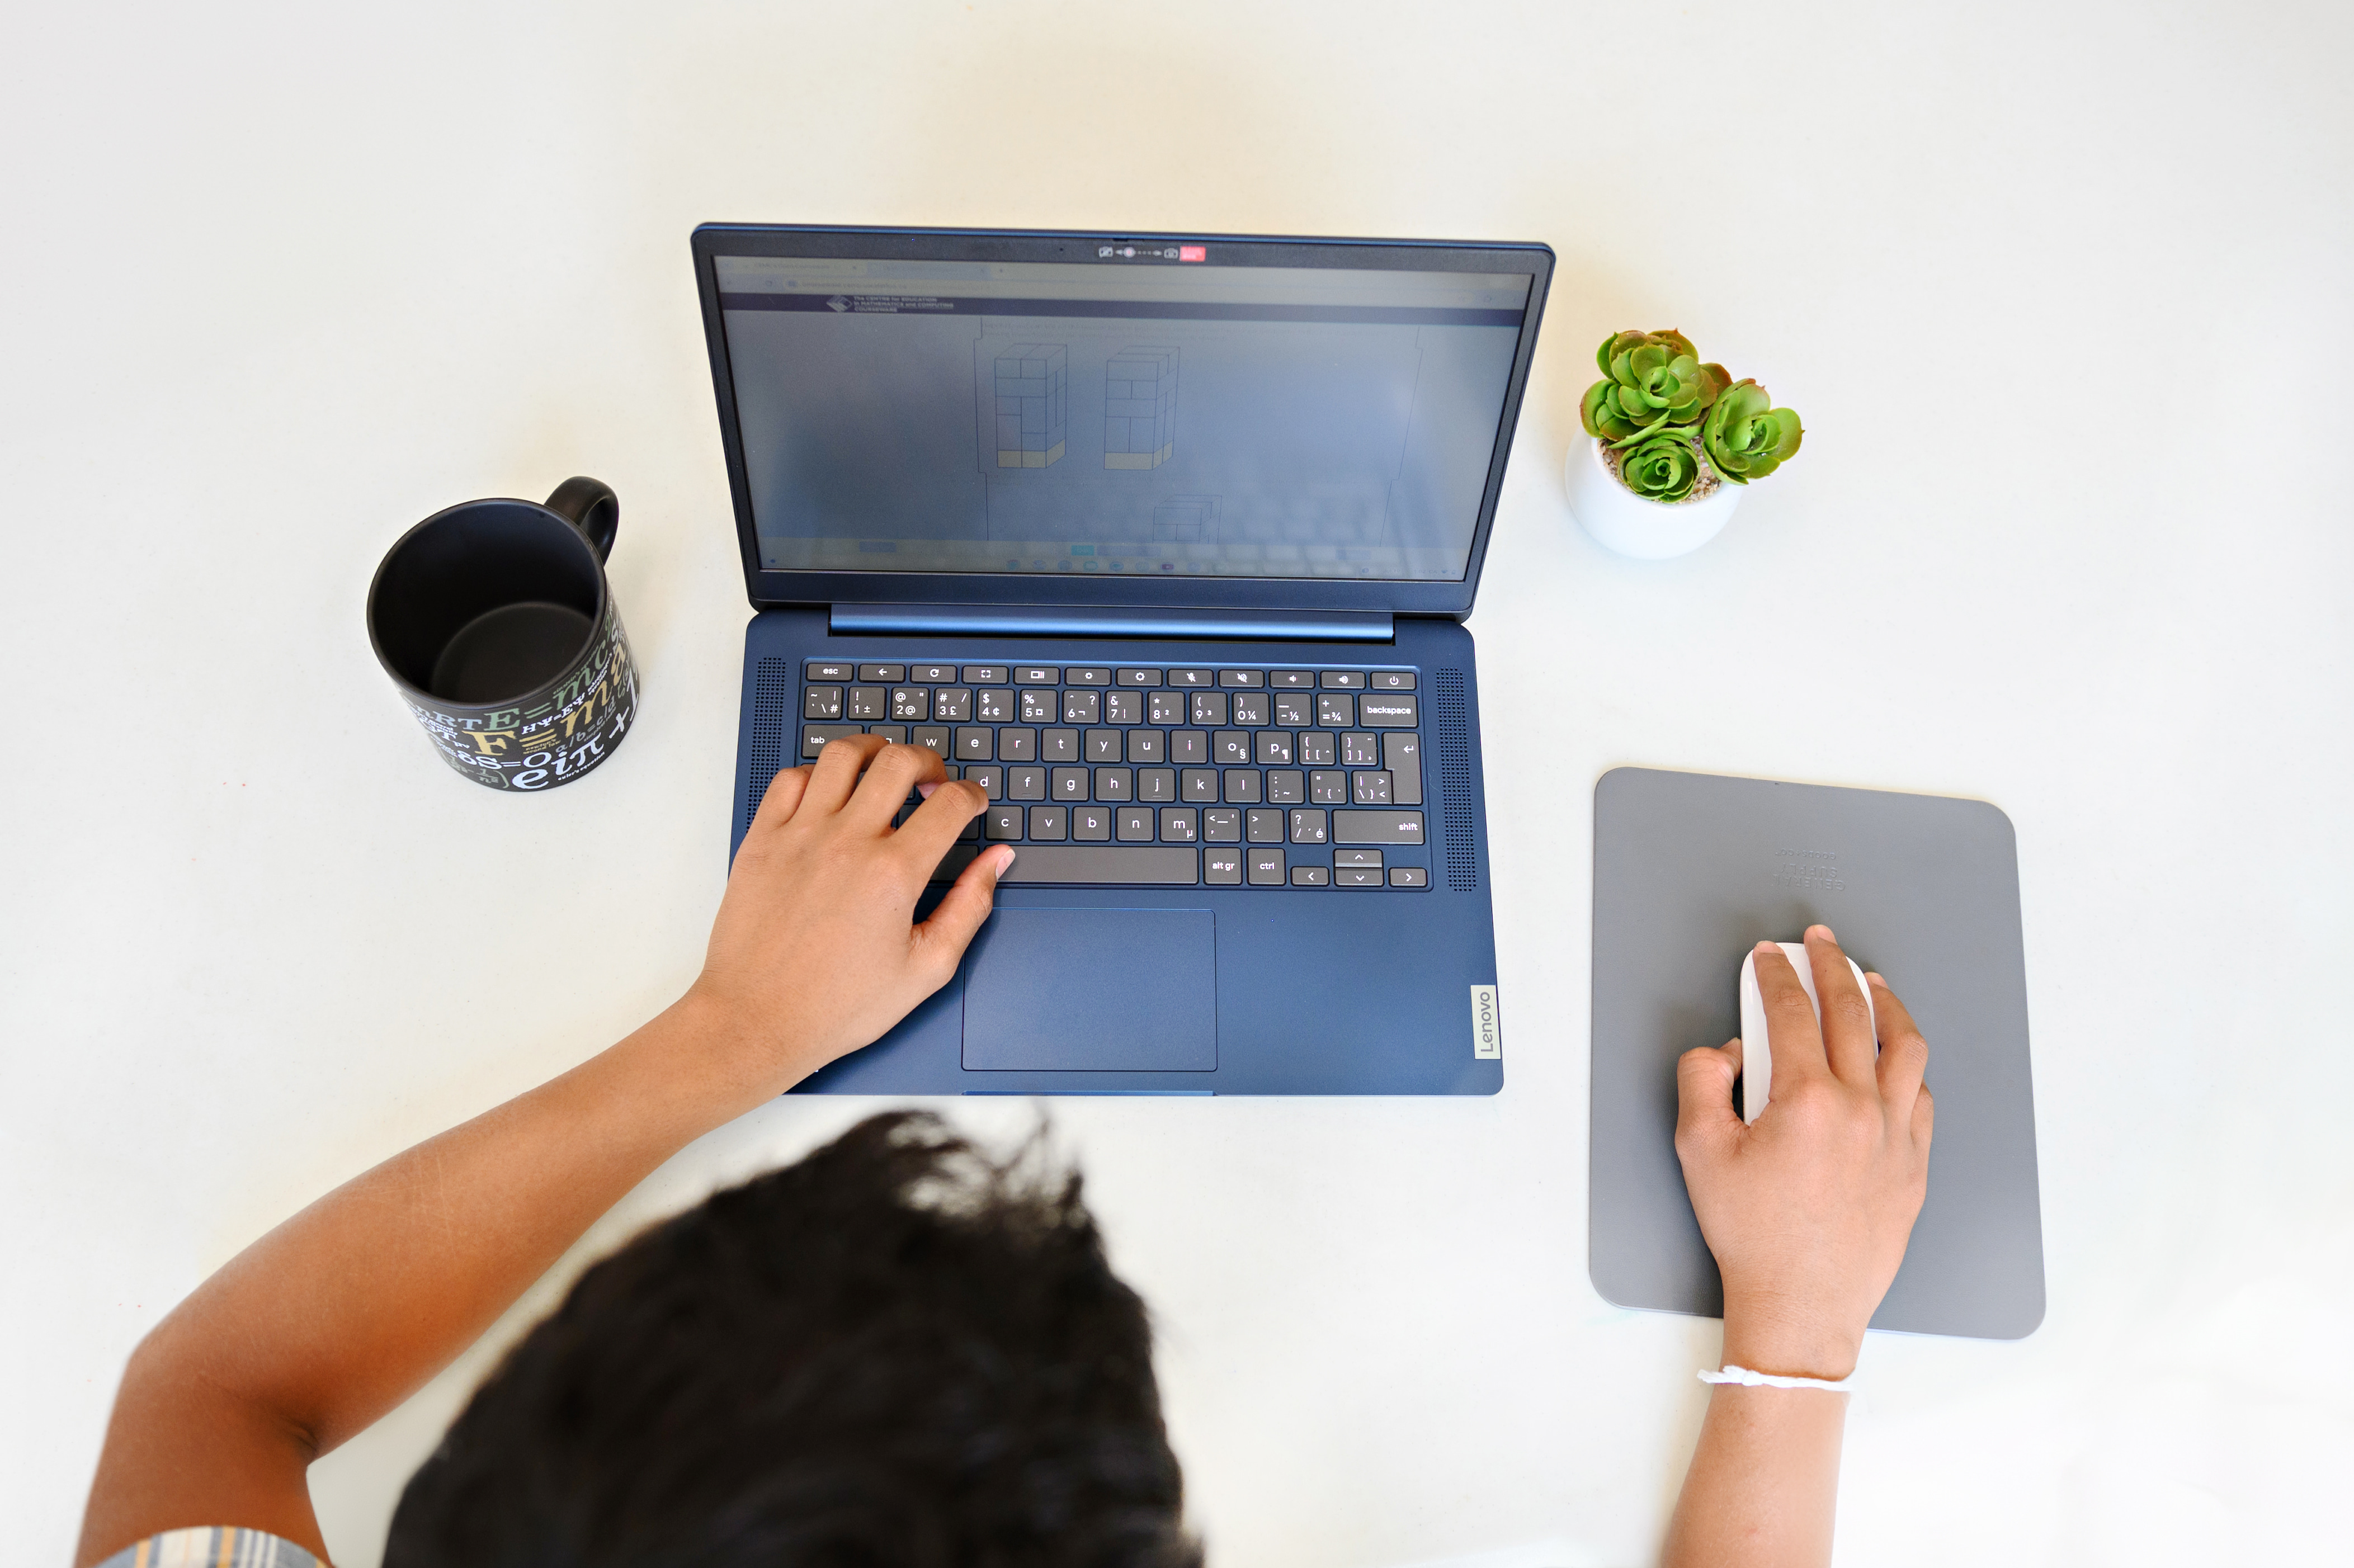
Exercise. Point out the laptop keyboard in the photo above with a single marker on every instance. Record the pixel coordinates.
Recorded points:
(1159, 775)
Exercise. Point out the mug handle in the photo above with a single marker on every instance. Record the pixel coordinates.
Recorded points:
(589, 505)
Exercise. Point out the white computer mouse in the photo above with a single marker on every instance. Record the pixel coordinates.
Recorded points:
(1756, 1054)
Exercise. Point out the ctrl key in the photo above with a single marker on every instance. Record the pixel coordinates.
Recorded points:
(1222, 867)
(1267, 868)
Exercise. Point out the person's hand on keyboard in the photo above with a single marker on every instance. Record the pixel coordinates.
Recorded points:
(815, 951)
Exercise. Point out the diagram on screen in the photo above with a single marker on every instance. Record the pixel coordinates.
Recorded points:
(1031, 392)
(1139, 407)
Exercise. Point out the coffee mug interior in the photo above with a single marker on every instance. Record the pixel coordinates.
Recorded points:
(486, 601)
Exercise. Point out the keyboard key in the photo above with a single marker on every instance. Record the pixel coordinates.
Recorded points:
(1189, 746)
(1242, 787)
(1210, 709)
(1409, 876)
(1335, 710)
(1106, 864)
(1252, 709)
(1390, 680)
(886, 673)
(1230, 748)
(1222, 826)
(1265, 868)
(983, 675)
(933, 674)
(1316, 748)
(1345, 876)
(990, 780)
(1241, 678)
(827, 670)
(821, 703)
(1377, 827)
(1165, 708)
(1035, 675)
(815, 736)
(1040, 704)
(1263, 827)
(1137, 677)
(1359, 749)
(1274, 748)
(1190, 677)
(993, 704)
(932, 738)
(1093, 675)
(1003, 823)
(1104, 745)
(1369, 789)
(1115, 784)
(1222, 867)
(1345, 680)
(1307, 826)
(896, 734)
(976, 742)
(1026, 783)
(1017, 745)
(1158, 785)
(1293, 710)
(1146, 746)
(1401, 755)
(1058, 745)
(1050, 822)
(1068, 784)
(1290, 680)
(952, 705)
(1310, 876)
(869, 702)
(1286, 787)
(1388, 710)
(1360, 858)
(1177, 825)
(1329, 787)
(1118, 707)
(1133, 824)
(911, 704)
(1091, 824)
(1082, 707)
(1197, 784)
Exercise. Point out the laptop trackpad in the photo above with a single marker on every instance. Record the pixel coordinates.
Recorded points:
(1073, 991)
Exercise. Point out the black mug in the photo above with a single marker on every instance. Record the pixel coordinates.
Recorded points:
(495, 621)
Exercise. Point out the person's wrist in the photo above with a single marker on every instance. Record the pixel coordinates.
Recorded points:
(750, 1051)
(1789, 1340)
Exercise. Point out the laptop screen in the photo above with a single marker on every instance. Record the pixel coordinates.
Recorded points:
(1157, 420)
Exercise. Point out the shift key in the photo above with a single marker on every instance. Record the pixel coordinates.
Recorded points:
(1377, 827)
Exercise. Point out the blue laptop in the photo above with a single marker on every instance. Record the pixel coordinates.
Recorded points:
(1166, 541)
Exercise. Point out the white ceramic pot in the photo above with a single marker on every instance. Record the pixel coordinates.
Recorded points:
(1623, 521)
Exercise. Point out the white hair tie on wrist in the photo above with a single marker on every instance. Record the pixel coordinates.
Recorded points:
(1748, 1379)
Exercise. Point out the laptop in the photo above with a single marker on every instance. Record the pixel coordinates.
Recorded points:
(1166, 541)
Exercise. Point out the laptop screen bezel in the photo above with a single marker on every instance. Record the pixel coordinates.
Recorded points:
(776, 589)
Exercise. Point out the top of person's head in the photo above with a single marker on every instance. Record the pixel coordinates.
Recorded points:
(896, 1351)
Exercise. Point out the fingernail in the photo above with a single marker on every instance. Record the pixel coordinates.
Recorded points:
(1871, 977)
(1004, 858)
(926, 790)
(1822, 931)
(1764, 947)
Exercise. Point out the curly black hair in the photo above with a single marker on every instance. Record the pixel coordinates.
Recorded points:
(896, 1353)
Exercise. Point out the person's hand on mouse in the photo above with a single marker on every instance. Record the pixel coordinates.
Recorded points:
(815, 951)
(1808, 1208)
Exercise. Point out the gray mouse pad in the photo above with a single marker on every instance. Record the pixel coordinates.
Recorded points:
(1069, 990)
(1690, 871)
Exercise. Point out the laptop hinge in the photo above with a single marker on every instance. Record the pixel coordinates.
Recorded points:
(1071, 620)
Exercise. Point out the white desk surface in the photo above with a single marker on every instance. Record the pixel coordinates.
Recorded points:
(279, 282)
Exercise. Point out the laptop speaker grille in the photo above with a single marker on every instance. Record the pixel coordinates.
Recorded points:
(1455, 782)
(772, 730)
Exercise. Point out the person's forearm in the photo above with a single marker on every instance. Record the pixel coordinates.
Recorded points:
(1764, 1481)
(333, 1318)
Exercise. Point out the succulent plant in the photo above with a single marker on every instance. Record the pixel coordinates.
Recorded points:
(1651, 381)
(1661, 469)
(1745, 436)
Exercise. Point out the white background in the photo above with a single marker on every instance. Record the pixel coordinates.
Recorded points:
(2060, 292)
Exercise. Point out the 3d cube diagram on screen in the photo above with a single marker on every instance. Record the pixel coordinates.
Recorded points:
(1186, 519)
(1139, 407)
(1032, 394)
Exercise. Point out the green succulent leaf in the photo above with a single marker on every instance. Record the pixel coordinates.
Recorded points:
(1651, 381)
(1745, 436)
(1661, 469)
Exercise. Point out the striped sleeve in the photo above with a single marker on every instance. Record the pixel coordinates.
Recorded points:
(213, 1546)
